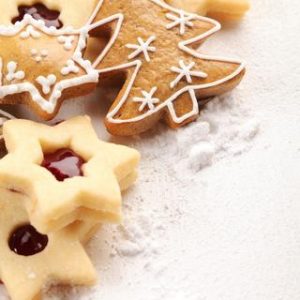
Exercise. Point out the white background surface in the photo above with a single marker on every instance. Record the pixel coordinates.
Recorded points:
(230, 231)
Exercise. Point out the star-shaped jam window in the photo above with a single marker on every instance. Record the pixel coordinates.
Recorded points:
(29, 260)
(42, 66)
(155, 47)
(66, 171)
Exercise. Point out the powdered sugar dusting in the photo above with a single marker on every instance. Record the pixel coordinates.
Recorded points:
(154, 219)
(215, 214)
(227, 127)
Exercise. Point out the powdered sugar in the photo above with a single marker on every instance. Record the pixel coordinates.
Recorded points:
(226, 128)
(215, 213)
(157, 207)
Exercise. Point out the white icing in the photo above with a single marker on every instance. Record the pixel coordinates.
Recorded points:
(38, 56)
(117, 17)
(38, 59)
(142, 47)
(184, 46)
(91, 76)
(12, 73)
(30, 32)
(46, 82)
(185, 71)
(182, 20)
(147, 100)
(67, 41)
(69, 68)
(44, 53)
(33, 52)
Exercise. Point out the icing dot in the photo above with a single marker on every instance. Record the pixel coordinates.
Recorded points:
(34, 52)
(70, 68)
(44, 53)
(24, 35)
(67, 41)
(13, 73)
(46, 82)
(63, 164)
(27, 241)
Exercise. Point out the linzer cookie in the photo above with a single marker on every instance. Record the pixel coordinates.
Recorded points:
(154, 48)
(219, 9)
(30, 259)
(66, 171)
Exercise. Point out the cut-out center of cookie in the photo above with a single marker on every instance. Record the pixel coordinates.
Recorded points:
(27, 241)
(40, 12)
(63, 164)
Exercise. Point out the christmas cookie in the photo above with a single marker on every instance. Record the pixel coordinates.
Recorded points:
(154, 49)
(219, 9)
(66, 171)
(41, 61)
(30, 259)
(151, 45)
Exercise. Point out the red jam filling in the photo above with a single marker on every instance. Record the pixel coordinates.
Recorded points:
(39, 12)
(27, 241)
(63, 164)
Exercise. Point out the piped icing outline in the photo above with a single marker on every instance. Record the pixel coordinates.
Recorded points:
(91, 76)
(183, 45)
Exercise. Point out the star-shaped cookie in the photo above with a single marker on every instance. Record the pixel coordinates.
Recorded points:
(29, 260)
(154, 46)
(87, 189)
(42, 66)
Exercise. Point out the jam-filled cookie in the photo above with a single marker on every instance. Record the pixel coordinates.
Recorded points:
(29, 259)
(67, 173)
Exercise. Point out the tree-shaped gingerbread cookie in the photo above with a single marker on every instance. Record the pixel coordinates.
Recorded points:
(155, 48)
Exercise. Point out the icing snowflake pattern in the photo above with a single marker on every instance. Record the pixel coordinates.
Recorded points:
(148, 100)
(69, 68)
(67, 41)
(13, 74)
(176, 61)
(155, 84)
(142, 47)
(185, 71)
(46, 82)
(182, 20)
